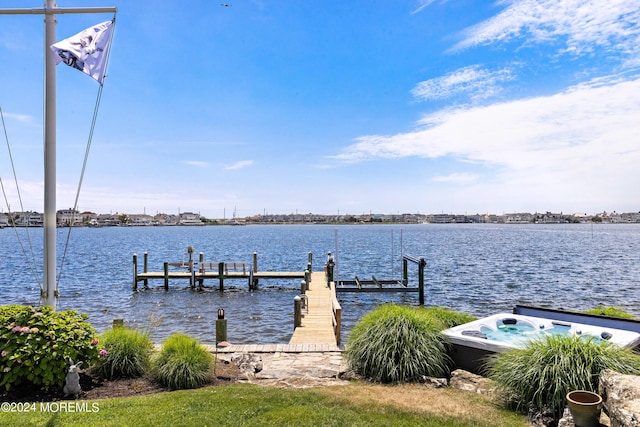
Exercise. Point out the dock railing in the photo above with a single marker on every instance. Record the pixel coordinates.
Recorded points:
(336, 310)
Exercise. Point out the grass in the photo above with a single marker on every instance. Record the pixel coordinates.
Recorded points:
(355, 404)
(182, 363)
(397, 343)
(128, 353)
(547, 369)
(611, 312)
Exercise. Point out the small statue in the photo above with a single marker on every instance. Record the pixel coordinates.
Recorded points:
(72, 381)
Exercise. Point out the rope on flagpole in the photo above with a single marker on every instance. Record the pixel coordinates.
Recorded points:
(13, 222)
(86, 156)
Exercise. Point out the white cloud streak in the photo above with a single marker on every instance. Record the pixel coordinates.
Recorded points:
(477, 82)
(583, 138)
(584, 24)
(238, 165)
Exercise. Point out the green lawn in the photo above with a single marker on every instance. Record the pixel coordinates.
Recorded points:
(250, 405)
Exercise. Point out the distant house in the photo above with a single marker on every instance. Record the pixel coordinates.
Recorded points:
(190, 218)
(140, 219)
(4, 220)
(28, 219)
(68, 217)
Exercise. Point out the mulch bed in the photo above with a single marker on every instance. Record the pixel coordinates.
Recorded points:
(95, 388)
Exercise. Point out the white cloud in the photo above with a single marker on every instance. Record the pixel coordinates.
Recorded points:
(457, 178)
(197, 163)
(23, 118)
(477, 82)
(582, 141)
(584, 24)
(238, 165)
(421, 5)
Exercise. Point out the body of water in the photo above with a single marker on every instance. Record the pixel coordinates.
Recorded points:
(480, 269)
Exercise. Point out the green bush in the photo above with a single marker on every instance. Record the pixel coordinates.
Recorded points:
(547, 369)
(37, 342)
(395, 343)
(182, 363)
(448, 318)
(126, 353)
(610, 311)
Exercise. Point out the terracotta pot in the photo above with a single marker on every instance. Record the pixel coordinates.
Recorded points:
(585, 407)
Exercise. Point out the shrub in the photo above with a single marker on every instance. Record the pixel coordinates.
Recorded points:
(127, 353)
(547, 369)
(446, 317)
(610, 311)
(182, 363)
(394, 343)
(36, 343)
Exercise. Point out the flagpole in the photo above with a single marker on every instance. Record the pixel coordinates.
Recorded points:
(49, 267)
(50, 11)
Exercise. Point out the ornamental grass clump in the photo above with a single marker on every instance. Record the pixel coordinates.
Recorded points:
(396, 344)
(37, 342)
(602, 310)
(126, 353)
(446, 317)
(182, 363)
(547, 369)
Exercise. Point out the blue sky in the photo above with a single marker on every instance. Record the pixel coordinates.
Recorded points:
(284, 106)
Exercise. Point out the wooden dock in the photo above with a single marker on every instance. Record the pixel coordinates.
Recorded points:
(196, 272)
(320, 323)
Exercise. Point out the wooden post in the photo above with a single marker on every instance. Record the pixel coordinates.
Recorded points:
(421, 265)
(255, 262)
(303, 286)
(297, 312)
(201, 269)
(405, 271)
(310, 262)
(166, 276)
(307, 277)
(146, 269)
(221, 275)
(135, 272)
(192, 283)
(221, 327)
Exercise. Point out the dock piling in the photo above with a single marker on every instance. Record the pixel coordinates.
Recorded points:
(166, 276)
(146, 269)
(221, 327)
(135, 272)
(421, 266)
(221, 275)
(297, 311)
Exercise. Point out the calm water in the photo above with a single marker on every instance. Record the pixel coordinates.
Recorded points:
(476, 268)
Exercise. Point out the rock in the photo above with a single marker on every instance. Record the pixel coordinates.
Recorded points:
(248, 363)
(464, 380)
(434, 382)
(621, 396)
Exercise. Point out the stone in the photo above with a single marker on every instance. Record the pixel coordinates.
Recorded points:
(621, 396)
(434, 382)
(464, 380)
(248, 363)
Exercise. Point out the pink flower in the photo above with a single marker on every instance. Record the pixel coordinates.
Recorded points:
(17, 329)
(95, 341)
(4, 353)
(25, 329)
(103, 352)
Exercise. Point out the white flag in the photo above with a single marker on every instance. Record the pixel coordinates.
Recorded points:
(87, 51)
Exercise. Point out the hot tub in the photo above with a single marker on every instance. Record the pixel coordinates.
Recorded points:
(472, 342)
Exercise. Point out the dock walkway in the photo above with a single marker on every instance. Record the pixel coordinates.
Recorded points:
(318, 323)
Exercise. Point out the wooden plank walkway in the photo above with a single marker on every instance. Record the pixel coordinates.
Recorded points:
(317, 323)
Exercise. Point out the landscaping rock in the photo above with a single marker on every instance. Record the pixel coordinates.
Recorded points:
(621, 396)
(464, 380)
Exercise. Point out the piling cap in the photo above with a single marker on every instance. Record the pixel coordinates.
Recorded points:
(296, 298)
